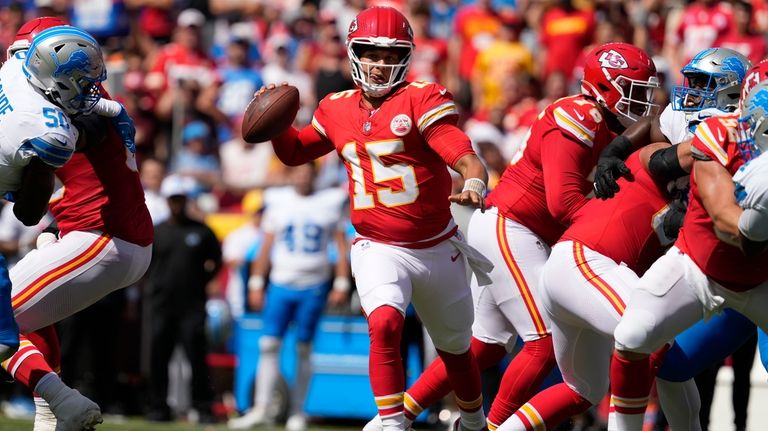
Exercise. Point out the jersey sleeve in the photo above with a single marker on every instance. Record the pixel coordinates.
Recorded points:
(578, 119)
(563, 162)
(431, 103)
(709, 141)
(53, 149)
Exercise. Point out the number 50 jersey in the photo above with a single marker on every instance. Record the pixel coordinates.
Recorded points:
(398, 180)
(30, 126)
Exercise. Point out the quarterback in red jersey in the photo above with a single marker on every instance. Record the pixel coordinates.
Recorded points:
(531, 207)
(585, 285)
(396, 139)
(719, 259)
(106, 236)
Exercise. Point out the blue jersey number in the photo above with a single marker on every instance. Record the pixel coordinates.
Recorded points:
(311, 240)
(55, 118)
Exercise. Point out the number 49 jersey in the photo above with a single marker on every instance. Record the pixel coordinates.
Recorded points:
(398, 181)
(303, 227)
(30, 126)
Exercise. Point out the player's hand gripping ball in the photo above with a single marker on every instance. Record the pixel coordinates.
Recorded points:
(270, 112)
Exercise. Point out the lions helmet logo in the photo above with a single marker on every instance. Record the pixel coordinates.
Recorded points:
(78, 60)
(612, 60)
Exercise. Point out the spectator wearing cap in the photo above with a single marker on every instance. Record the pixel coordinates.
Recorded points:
(232, 89)
(180, 64)
(185, 258)
(195, 159)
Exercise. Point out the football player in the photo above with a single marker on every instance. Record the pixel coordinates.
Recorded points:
(299, 224)
(396, 138)
(532, 205)
(105, 230)
(718, 260)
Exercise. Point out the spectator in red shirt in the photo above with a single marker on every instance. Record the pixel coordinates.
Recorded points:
(476, 26)
(701, 23)
(742, 38)
(431, 54)
(183, 61)
(565, 32)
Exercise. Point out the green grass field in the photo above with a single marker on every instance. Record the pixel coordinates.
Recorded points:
(109, 424)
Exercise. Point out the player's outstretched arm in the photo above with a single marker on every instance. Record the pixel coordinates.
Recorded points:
(295, 148)
(475, 179)
(31, 200)
(259, 269)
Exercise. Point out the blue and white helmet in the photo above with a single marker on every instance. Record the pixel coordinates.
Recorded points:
(753, 123)
(66, 65)
(712, 79)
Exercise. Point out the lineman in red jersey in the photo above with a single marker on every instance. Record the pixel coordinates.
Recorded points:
(106, 236)
(585, 285)
(396, 139)
(701, 274)
(533, 204)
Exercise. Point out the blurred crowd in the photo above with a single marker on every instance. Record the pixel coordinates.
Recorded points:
(186, 69)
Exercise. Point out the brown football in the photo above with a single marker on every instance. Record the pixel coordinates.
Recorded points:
(270, 113)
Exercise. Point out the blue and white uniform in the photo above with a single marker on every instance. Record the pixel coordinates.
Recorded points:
(300, 275)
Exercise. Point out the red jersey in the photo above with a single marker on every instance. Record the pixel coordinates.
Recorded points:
(476, 28)
(398, 180)
(565, 34)
(102, 192)
(627, 228)
(715, 139)
(700, 26)
(545, 184)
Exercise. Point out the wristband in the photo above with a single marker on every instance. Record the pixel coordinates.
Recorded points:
(255, 283)
(341, 284)
(476, 185)
(107, 108)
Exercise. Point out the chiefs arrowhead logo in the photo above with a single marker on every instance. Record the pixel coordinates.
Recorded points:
(612, 60)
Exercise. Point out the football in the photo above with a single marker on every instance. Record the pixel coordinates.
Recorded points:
(270, 113)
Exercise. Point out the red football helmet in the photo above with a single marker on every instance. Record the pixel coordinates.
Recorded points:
(755, 74)
(29, 30)
(380, 27)
(622, 77)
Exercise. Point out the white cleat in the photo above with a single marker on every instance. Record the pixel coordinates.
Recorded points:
(77, 413)
(297, 422)
(374, 424)
(251, 418)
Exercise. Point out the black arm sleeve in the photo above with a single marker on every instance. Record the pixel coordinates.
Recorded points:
(665, 165)
(620, 147)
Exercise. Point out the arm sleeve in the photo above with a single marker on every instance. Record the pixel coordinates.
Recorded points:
(563, 160)
(295, 148)
(448, 141)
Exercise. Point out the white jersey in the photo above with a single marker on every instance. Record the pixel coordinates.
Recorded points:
(751, 181)
(678, 126)
(303, 227)
(30, 126)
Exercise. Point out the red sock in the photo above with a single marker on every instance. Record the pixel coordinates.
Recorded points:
(630, 384)
(551, 406)
(385, 328)
(47, 342)
(522, 378)
(27, 365)
(433, 384)
(464, 376)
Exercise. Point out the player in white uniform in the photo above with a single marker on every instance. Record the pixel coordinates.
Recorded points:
(299, 224)
(36, 136)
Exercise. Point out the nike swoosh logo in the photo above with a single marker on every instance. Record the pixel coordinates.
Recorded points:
(453, 258)
(579, 116)
(720, 136)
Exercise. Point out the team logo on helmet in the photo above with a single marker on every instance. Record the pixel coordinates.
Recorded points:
(78, 60)
(353, 26)
(612, 60)
(400, 125)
